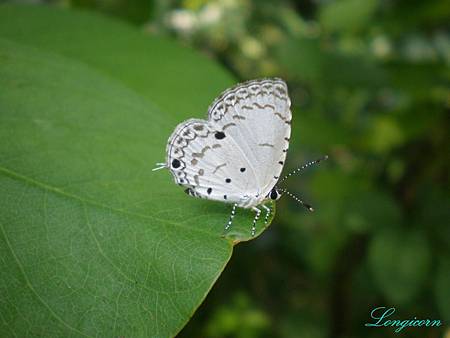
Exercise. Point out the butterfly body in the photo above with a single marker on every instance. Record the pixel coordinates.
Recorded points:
(236, 155)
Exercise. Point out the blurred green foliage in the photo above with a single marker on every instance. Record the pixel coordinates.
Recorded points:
(369, 82)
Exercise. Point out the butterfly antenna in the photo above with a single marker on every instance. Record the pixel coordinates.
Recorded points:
(159, 166)
(306, 205)
(299, 169)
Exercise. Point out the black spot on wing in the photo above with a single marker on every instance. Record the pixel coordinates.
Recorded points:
(176, 163)
(219, 135)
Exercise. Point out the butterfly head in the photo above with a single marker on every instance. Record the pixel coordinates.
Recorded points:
(274, 194)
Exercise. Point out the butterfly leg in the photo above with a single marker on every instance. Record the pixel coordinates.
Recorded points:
(268, 212)
(233, 212)
(258, 213)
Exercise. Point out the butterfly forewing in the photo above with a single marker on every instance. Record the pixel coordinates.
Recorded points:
(259, 115)
(240, 150)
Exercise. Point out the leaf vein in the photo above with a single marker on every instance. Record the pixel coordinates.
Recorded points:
(30, 286)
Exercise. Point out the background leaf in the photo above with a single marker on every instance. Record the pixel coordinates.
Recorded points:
(347, 15)
(400, 263)
(92, 242)
(441, 290)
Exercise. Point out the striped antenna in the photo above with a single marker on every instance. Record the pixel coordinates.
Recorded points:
(306, 205)
(299, 169)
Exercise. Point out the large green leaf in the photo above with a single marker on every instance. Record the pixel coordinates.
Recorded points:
(92, 243)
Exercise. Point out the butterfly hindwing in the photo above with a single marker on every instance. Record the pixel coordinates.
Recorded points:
(199, 159)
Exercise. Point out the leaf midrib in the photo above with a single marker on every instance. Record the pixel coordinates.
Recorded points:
(58, 191)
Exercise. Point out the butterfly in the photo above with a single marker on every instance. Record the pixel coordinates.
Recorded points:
(236, 155)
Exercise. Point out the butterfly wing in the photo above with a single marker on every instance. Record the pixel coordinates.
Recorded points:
(240, 150)
(200, 157)
(259, 119)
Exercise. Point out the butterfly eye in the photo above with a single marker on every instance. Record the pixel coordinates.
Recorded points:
(274, 194)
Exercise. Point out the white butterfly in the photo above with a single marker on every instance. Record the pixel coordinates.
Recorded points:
(237, 155)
